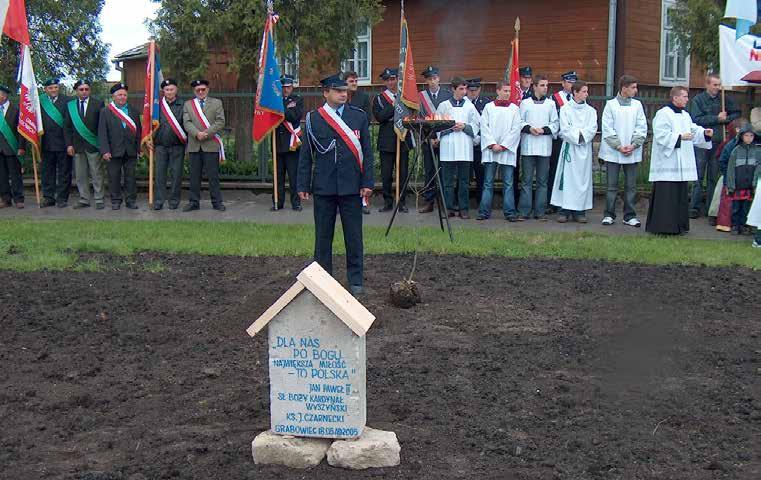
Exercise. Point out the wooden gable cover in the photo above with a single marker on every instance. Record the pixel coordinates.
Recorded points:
(328, 291)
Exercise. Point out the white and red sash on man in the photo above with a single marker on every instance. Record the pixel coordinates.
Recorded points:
(559, 100)
(295, 141)
(201, 117)
(172, 120)
(389, 96)
(126, 120)
(349, 136)
(427, 104)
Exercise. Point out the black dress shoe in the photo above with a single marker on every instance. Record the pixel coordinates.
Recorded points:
(81, 205)
(297, 208)
(386, 208)
(403, 208)
(366, 210)
(158, 206)
(62, 205)
(100, 206)
(221, 207)
(173, 206)
(47, 203)
(131, 206)
(190, 207)
(275, 209)
(116, 206)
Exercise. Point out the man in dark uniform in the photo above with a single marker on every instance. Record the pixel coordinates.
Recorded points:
(169, 142)
(81, 134)
(56, 163)
(383, 109)
(11, 148)
(288, 135)
(430, 98)
(119, 137)
(479, 101)
(336, 166)
(560, 98)
(527, 82)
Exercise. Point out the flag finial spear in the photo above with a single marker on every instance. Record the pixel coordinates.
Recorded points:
(517, 24)
(270, 7)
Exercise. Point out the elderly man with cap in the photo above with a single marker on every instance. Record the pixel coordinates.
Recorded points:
(56, 163)
(336, 166)
(119, 137)
(169, 142)
(11, 148)
(479, 101)
(383, 109)
(561, 97)
(81, 134)
(527, 82)
(430, 99)
(289, 136)
(204, 117)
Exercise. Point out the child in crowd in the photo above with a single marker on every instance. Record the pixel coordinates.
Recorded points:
(721, 212)
(742, 170)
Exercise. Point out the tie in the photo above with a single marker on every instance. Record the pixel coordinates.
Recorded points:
(82, 108)
(202, 103)
(433, 96)
(339, 113)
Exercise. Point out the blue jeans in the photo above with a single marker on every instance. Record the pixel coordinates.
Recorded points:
(529, 165)
(508, 199)
(460, 170)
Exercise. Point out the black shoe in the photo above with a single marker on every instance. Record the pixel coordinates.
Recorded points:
(366, 210)
(403, 208)
(511, 218)
(47, 203)
(275, 209)
(427, 208)
(81, 205)
(297, 208)
(131, 205)
(481, 216)
(190, 207)
(62, 205)
(220, 208)
(173, 206)
(116, 206)
(694, 214)
(158, 206)
(386, 208)
(100, 206)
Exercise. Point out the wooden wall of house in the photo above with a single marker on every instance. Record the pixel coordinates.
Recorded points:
(473, 38)
(639, 33)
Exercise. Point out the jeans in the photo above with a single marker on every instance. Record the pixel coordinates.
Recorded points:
(708, 169)
(508, 200)
(630, 188)
(740, 209)
(461, 170)
(531, 164)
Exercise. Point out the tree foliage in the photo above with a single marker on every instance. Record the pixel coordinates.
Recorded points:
(65, 41)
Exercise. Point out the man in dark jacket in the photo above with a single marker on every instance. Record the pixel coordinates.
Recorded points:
(477, 169)
(56, 163)
(357, 97)
(11, 148)
(288, 139)
(705, 110)
(81, 135)
(169, 142)
(119, 137)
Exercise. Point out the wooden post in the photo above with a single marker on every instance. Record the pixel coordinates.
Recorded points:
(150, 177)
(274, 170)
(36, 178)
(723, 109)
(398, 162)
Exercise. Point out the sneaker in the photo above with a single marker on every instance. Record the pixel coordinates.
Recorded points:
(511, 218)
(755, 244)
(522, 218)
(633, 222)
(608, 221)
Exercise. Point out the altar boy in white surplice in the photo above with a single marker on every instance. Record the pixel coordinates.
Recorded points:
(572, 189)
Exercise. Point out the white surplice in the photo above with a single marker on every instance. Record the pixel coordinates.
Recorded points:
(754, 215)
(572, 189)
(538, 115)
(500, 126)
(667, 162)
(624, 122)
(458, 146)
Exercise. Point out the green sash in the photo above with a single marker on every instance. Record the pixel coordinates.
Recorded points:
(82, 129)
(50, 109)
(10, 137)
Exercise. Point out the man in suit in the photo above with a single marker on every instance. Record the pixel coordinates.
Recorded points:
(479, 101)
(336, 166)
(81, 135)
(527, 80)
(11, 148)
(119, 137)
(169, 142)
(383, 109)
(288, 140)
(56, 163)
(430, 98)
(204, 117)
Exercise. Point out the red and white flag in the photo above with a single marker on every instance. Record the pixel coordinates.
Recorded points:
(13, 19)
(30, 117)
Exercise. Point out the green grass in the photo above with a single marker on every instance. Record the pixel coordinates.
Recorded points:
(29, 245)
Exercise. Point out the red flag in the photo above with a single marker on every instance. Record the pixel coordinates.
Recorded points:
(513, 70)
(13, 19)
(408, 99)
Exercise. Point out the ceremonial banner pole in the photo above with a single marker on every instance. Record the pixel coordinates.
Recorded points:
(150, 176)
(36, 178)
(723, 109)
(398, 163)
(274, 170)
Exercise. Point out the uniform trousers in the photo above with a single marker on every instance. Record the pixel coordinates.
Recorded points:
(56, 176)
(350, 208)
(208, 161)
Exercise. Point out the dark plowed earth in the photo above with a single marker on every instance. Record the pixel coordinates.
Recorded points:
(509, 369)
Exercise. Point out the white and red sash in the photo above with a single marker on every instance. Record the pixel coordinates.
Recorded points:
(349, 136)
(172, 120)
(559, 100)
(201, 117)
(295, 141)
(128, 122)
(427, 103)
(389, 96)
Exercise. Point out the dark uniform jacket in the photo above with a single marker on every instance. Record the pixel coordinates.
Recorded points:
(336, 172)
(164, 135)
(384, 115)
(54, 139)
(480, 103)
(116, 139)
(566, 97)
(362, 100)
(442, 95)
(292, 114)
(91, 120)
(704, 110)
(528, 93)
(11, 116)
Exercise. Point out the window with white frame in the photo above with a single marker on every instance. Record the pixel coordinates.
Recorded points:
(289, 65)
(361, 60)
(675, 60)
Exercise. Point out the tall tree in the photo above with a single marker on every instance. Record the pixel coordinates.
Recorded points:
(323, 31)
(65, 41)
